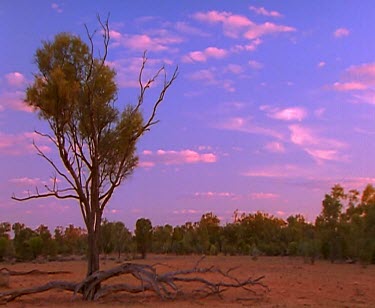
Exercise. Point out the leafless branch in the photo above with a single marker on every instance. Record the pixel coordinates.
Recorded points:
(166, 286)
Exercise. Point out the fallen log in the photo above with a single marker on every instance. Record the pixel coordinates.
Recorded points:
(165, 285)
(32, 272)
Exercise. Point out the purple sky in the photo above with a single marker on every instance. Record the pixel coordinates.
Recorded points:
(274, 104)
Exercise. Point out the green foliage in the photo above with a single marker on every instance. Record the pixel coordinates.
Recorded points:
(345, 229)
(162, 239)
(115, 237)
(143, 236)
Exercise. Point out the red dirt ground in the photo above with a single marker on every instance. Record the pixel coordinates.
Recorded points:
(292, 283)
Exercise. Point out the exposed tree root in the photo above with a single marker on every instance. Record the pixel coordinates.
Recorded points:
(166, 285)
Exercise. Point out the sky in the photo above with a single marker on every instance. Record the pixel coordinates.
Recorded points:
(273, 105)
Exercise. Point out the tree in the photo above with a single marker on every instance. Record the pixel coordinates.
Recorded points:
(75, 92)
(115, 237)
(162, 239)
(328, 224)
(143, 236)
(22, 235)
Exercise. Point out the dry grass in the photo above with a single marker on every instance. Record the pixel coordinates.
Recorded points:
(292, 284)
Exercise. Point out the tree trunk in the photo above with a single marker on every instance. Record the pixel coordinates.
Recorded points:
(93, 254)
(92, 261)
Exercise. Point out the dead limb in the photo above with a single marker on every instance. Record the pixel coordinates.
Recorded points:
(32, 272)
(165, 285)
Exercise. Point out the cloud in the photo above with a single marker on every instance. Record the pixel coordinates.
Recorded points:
(56, 7)
(321, 64)
(14, 100)
(203, 56)
(233, 196)
(265, 29)
(27, 181)
(232, 24)
(341, 32)
(275, 147)
(319, 148)
(215, 195)
(160, 40)
(252, 46)
(15, 79)
(264, 12)
(235, 26)
(186, 212)
(264, 196)
(275, 171)
(211, 77)
(321, 155)
(246, 126)
(150, 158)
(287, 114)
(128, 69)
(184, 27)
(360, 80)
(349, 86)
(22, 144)
(234, 69)
(255, 64)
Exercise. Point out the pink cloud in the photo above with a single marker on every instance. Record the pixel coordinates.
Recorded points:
(287, 114)
(246, 126)
(115, 35)
(205, 75)
(14, 101)
(184, 27)
(349, 86)
(234, 69)
(266, 28)
(319, 148)
(22, 144)
(176, 158)
(128, 70)
(210, 77)
(302, 136)
(320, 155)
(236, 25)
(364, 71)
(15, 79)
(255, 64)
(321, 64)
(275, 171)
(216, 195)
(252, 46)
(185, 211)
(263, 196)
(146, 164)
(203, 56)
(231, 22)
(158, 41)
(56, 7)
(341, 32)
(264, 12)
(26, 181)
(275, 147)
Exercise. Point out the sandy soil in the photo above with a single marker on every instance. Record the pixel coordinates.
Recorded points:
(292, 283)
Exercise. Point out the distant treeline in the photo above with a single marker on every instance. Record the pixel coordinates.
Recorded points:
(344, 230)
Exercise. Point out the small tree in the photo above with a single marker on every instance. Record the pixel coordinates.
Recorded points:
(76, 92)
(143, 236)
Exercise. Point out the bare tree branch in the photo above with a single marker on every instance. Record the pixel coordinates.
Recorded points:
(167, 286)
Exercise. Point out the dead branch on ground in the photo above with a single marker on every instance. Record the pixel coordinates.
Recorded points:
(32, 272)
(167, 285)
